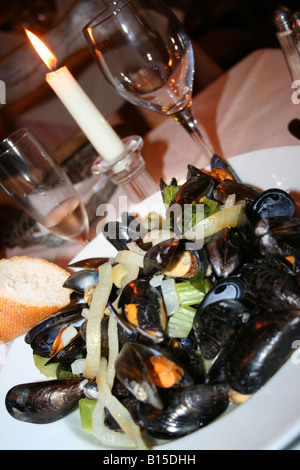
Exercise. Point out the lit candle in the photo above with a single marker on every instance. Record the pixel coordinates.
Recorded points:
(93, 124)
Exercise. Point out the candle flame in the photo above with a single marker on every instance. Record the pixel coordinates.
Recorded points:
(43, 51)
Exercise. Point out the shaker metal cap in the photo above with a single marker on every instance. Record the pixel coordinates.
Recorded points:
(283, 19)
(296, 24)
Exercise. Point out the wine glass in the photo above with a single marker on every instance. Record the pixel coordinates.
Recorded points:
(146, 55)
(30, 176)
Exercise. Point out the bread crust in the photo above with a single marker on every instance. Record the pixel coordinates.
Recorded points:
(16, 318)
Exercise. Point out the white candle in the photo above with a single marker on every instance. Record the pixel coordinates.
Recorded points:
(93, 124)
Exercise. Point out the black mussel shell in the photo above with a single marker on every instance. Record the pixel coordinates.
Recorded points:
(44, 402)
(296, 268)
(225, 253)
(270, 285)
(215, 325)
(133, 374)
(80, 280)
(185, 411)
(42, 342)
(72, 351)
(143, 310)
(261, 348)
(193, 190)
(120, 233)
(90, 263)
(117, 234)
(242, 191)
(216, 374)
(231, 288)
(172, 258)
(279, 236)
(66, 315)
(219, 163)
(159, 256)
(271, 203)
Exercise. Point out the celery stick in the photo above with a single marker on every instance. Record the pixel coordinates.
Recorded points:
(49, 371)
(168, 194)
(188, 294)
(86, 408)
(181, 323)
(211, 207)
(203, 285)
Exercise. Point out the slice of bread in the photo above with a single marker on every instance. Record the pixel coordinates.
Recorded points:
(30, 290)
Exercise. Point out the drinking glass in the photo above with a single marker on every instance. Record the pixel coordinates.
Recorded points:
(30, 176)
(146, 55)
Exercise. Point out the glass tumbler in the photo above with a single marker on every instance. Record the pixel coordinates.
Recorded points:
(41, 187)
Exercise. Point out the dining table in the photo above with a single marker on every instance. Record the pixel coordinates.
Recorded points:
(248, 108)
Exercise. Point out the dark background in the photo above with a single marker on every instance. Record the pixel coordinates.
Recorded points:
(230, 29)
(226, 29)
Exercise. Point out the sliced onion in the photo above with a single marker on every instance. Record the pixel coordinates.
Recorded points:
(230, 217)
(119, 271)
(156, 280)
(85, 313)
(230, 201)
(157, 236)
(67, 335)
(133, 273)
(97, 308)
(170, 296)
(132, 436)
(78, 366)
(134, 247)
(129, 257)
(113, 348)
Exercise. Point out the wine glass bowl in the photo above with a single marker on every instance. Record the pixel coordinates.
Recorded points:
(146, 55)
(38, 184)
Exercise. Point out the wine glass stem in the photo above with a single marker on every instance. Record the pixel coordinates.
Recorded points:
(188, 121)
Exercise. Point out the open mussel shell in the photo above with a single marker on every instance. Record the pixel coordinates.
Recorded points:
(90, 263)
(143, 309)
(145, 369)
(216, 324)
(44, 402)
(174, 259)
(68, 314)
(185, 411)
(41, 339)
(159, 256)
(80, 280)
(261, 348)
(133, 374)
(271, 203)
(67, 355)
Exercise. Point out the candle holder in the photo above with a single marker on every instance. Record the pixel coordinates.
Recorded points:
(128, 171)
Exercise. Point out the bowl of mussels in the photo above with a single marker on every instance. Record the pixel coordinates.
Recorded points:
(184, 324)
